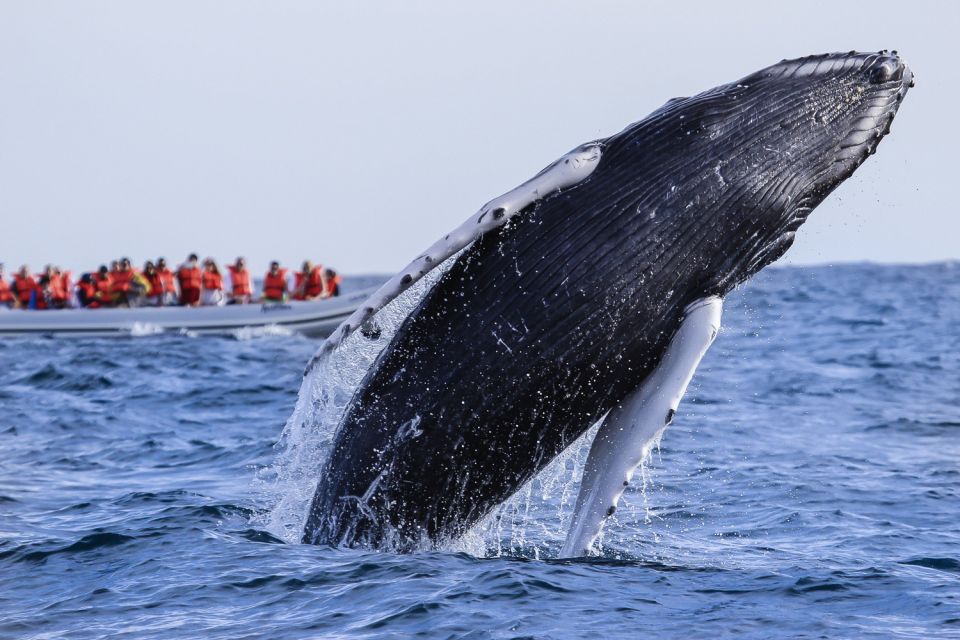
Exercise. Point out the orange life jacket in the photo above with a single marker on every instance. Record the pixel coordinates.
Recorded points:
(120, 281)
(333, 285)
(240, 281)
(212, 281)
(5, 294)
(274, 286)
(167, 280)
(314, 286)
(58, 290)
(88, 291)
(155, 280)
(104, 286)
(189, 277)
(24, 287)
(65, 282)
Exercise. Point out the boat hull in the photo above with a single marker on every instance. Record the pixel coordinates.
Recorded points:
(315, 319)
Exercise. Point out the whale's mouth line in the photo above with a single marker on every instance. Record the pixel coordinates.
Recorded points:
(861, 141)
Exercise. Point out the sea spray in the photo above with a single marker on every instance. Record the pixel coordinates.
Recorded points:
(524, 525)
(287, 486)
(534, 521)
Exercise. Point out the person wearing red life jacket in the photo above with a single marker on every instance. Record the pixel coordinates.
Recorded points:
(212, 283)
(24, 286)
(153, 297)
(41, 297)
(58, 287)
(170, 294)
(87, 293)
(66, 285)
(275, 284)
(7, 299)
(332, 280)
(104, 282)
(122, 283)
(309, 282)
(114, 268)
(190, 278)
(57, 296)
(241, 288)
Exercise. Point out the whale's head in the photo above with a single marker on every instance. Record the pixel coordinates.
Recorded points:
(764, 151)
(828, 113)
(820, 118)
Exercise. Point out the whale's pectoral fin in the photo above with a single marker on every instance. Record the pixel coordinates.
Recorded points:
(570, 169)
(629, 429)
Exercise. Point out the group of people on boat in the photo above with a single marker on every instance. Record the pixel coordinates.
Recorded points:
(192, 284)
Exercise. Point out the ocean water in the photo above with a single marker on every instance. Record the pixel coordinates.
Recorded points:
(809, 487)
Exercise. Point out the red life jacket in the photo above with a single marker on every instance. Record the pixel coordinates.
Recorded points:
(240, 281)
(167, 280)
(314, 286)
(58, 292)
(6, 296)
(212, 281)
(24, 287)
(333, 285)
(189, 277)
(88, 291)
(120, 281)
(274, 286)
(65, 282)
(104, 286)
(155, 280)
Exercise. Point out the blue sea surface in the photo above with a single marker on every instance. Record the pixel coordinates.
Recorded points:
(808, 488)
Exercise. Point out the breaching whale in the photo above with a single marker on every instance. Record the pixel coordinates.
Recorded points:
(590, 292)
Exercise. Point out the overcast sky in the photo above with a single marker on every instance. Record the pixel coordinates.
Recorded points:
(357, 133)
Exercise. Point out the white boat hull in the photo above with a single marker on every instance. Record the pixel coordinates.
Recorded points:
(314, 319)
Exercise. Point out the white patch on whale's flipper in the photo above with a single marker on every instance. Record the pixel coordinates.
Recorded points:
(570, 169)
(628, 430)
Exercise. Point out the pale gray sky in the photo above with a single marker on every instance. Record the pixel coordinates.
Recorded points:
(356, 133)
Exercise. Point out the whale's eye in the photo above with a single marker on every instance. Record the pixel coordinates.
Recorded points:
(882, 72)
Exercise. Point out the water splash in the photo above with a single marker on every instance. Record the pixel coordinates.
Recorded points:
(526, 524)
(244, 334)
(141, 329)
(287, 486)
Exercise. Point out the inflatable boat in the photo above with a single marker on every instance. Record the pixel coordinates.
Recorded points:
(315, 319)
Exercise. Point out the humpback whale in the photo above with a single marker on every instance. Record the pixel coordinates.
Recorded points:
(588, 293)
